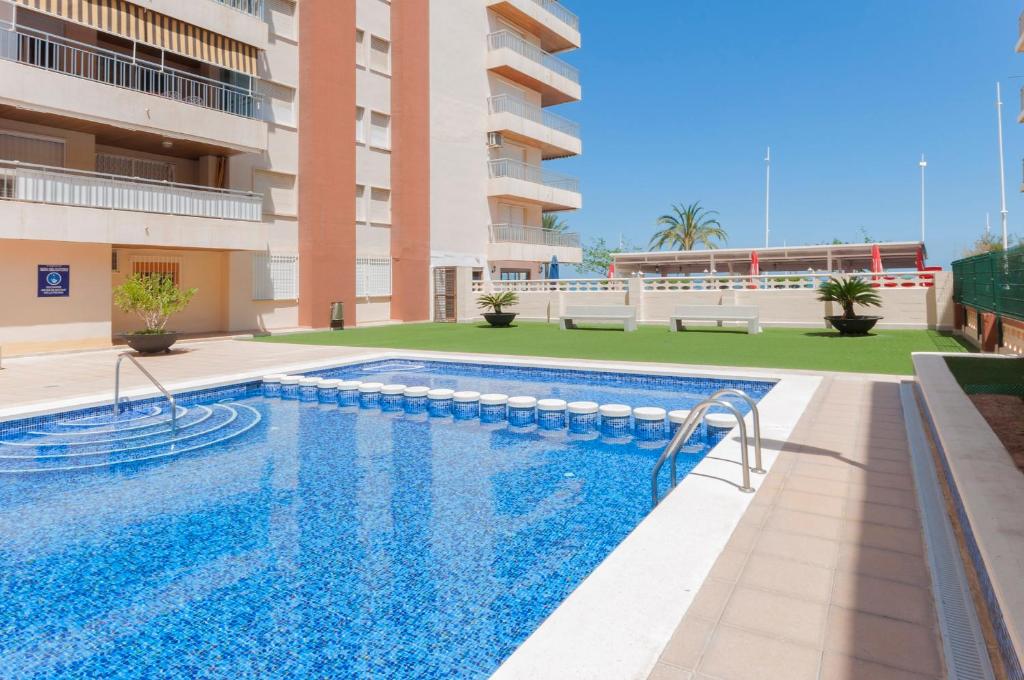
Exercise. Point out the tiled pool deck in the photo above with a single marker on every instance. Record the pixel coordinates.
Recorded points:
(824, 577)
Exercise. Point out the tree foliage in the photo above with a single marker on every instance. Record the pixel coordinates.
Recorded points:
(554, 222)
(597, 256)
(154, 298)
(687, 227)
(849, 292)
(496, 301)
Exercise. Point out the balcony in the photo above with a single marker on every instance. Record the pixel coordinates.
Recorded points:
(51, 74)
(521, 243)
(519, 120)
(252, 7)
(527, 64)
(557, 27)
(550, 190)
(50, 203)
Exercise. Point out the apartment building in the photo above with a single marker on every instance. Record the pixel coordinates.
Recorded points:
(239, 147)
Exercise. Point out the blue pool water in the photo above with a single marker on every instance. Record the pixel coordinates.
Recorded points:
(285, 539)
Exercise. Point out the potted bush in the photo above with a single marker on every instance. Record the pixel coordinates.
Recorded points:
(496, 302)
(848, 293)
(154, 298)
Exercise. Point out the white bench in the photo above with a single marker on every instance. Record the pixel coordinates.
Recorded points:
(719, 313)
(599, 314)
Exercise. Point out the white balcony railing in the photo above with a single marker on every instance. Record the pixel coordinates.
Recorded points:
(559, 11)
(504, 103)
(519, 233)
(61, 186)
(550, 285)
(809, 281)
(253, 7)
(506, 167)
(54, 53)
(507, 40)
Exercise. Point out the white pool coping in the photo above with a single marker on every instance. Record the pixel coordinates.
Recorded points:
(618, 621)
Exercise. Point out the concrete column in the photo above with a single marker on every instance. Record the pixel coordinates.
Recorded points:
(635, 295)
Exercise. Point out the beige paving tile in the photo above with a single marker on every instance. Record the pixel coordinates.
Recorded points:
(664, 671)
(756, 515)
(776, 615)
(736, 654)
(822, 487)
(729, 565)
(886, 496)
(883, 597)
(807, 549)
(887, 564)
(710, 599)
(688, 642)
(903, 645)
(743, 538)
(835, 473)
(884, 479)
(836, 666)
(879, 536)
(802, 501)
(783, 519)
(878, 513)
(786, 576)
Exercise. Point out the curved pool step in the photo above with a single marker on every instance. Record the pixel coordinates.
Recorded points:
(105, 422)
(227, 422)
(189, 419)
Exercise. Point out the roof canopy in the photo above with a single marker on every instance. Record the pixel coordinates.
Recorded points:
(843, 257)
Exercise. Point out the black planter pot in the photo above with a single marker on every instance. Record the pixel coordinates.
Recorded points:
(501, 320)
(859, 325)
(150, 343)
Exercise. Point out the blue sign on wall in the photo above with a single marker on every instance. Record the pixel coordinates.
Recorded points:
(54, 280)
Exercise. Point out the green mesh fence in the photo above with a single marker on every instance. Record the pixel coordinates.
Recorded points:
(993, 282)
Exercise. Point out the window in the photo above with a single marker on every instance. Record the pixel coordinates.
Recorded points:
(127, 166)
(515, 274)
(275, 277)
(373, 276)
(380, 55)
(380, 130)
(164, 267)
(360, 48)
(360, 125)
(380, 205)
(31, 149)
(360, 203)
(281, 99)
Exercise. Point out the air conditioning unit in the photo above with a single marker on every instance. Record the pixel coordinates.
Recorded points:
(494, 139)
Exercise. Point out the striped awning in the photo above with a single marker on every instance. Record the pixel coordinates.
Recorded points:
(146, 26)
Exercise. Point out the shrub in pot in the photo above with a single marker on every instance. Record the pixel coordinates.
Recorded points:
(154, 298)
(496, 302)
(848, 293)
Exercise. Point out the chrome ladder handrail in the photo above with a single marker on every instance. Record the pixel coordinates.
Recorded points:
(756, 417)
(117, 389)
(686, 429)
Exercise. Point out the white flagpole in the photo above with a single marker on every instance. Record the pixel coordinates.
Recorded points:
(767, 195)
(1002, 164)
(923, 164)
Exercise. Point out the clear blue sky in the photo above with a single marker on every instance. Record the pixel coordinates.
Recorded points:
(680, 98)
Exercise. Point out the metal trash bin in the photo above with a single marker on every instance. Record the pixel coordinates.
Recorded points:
(337, 316)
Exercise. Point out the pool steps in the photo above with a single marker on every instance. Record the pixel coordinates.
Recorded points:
(645, 423)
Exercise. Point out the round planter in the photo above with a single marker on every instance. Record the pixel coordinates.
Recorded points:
(150, 343)
(856, 326)
(502, 320)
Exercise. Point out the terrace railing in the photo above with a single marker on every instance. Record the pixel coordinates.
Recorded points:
(253, 7)
(80, 60)
(559, 11)
(61, 186)
(783, 281)
(993, 282)
(508, 40)
(518, 233)
(554, 285)
(504, 103)
(513, 169)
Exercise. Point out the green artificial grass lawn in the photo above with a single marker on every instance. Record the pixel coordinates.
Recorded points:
(980, 375)
(799, 348)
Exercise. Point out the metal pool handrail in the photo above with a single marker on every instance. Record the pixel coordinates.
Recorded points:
(730, 391)
(683, 433)
(117, 389)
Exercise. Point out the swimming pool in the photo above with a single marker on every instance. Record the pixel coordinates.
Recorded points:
(295, 539)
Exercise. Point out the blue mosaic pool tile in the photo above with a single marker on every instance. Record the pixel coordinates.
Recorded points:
(369, 400)
(551, 420)
(309, 393)
(348, 397)
(520, 417)
(440, 408)
(392, 402)
(289, 392)
(650, 430)
(327, 395)
(272, 390)
(466, 410)
(584, 423)
(415, 404)
(614, 426)
(492, 413)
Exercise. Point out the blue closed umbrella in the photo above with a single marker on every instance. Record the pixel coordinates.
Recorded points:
(553, 267)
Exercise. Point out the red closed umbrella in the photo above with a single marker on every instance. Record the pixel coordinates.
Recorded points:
(876, 259)
(755, 267)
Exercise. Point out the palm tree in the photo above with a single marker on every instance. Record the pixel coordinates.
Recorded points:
(688, 226)
(553, 222)
(847, 293)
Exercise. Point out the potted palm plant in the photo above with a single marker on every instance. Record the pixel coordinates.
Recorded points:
(495, 302)
(154, 299)
(848, 293)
